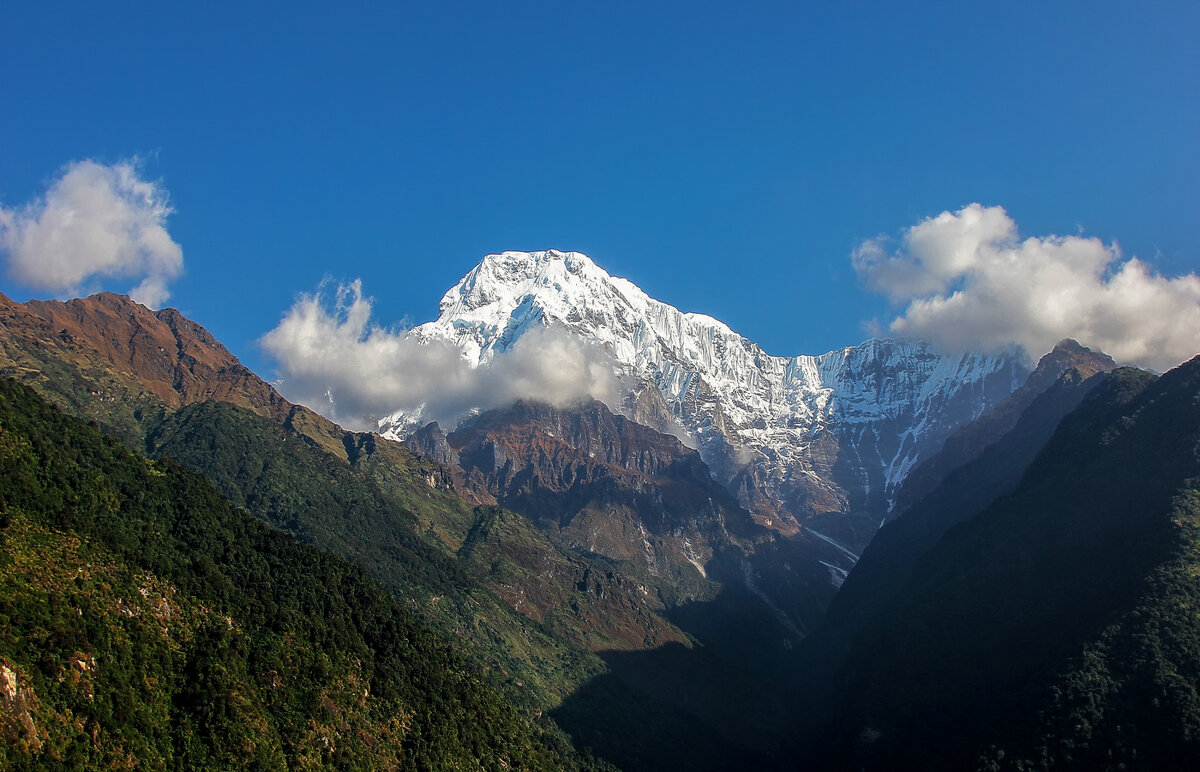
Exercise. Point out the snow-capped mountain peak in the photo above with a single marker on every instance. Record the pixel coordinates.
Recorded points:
(794, 437)
(489, 308)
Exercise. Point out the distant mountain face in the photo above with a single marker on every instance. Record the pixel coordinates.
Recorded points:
(1067, 358)
(793, 437)
(980, 463)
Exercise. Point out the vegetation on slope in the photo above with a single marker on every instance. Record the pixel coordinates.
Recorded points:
(325, 502)
(145, 619)
(291, 484)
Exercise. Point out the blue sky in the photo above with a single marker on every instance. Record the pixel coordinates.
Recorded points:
(727, 158)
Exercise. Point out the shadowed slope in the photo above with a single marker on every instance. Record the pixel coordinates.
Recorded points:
(1057, 626)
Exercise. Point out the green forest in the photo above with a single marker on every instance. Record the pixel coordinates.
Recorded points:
(144, 619)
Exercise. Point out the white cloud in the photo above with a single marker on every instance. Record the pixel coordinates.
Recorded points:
(94, 222)
(335, 360)
(969, 282)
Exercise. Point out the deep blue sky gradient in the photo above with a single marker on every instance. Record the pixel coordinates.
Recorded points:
(725, 157)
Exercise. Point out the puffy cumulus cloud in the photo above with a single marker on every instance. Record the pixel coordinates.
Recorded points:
(94, 222)
(968, 281)
(335, 360)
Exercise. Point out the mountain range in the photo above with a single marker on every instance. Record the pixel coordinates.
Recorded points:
(819, 440)
(882, 557)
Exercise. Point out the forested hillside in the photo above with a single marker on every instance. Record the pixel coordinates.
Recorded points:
(148, 621)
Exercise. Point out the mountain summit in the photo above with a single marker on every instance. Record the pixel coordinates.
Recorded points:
(800, 439)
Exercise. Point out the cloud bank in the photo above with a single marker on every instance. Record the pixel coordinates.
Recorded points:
(968, 281)
(335, 360)
(94, 222)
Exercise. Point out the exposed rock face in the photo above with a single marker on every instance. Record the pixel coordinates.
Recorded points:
(18, 704)
(430, 442)
(610, 441)
(111, 358)
(793, 437)
(602, 485)
(175, 358)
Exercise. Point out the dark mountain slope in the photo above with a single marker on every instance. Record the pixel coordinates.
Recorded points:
(969, 442)
(148, 622)
(1058, 626)
(962, 494)
(994, 453)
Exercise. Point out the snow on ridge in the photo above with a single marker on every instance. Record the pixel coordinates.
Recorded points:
(724, 389)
